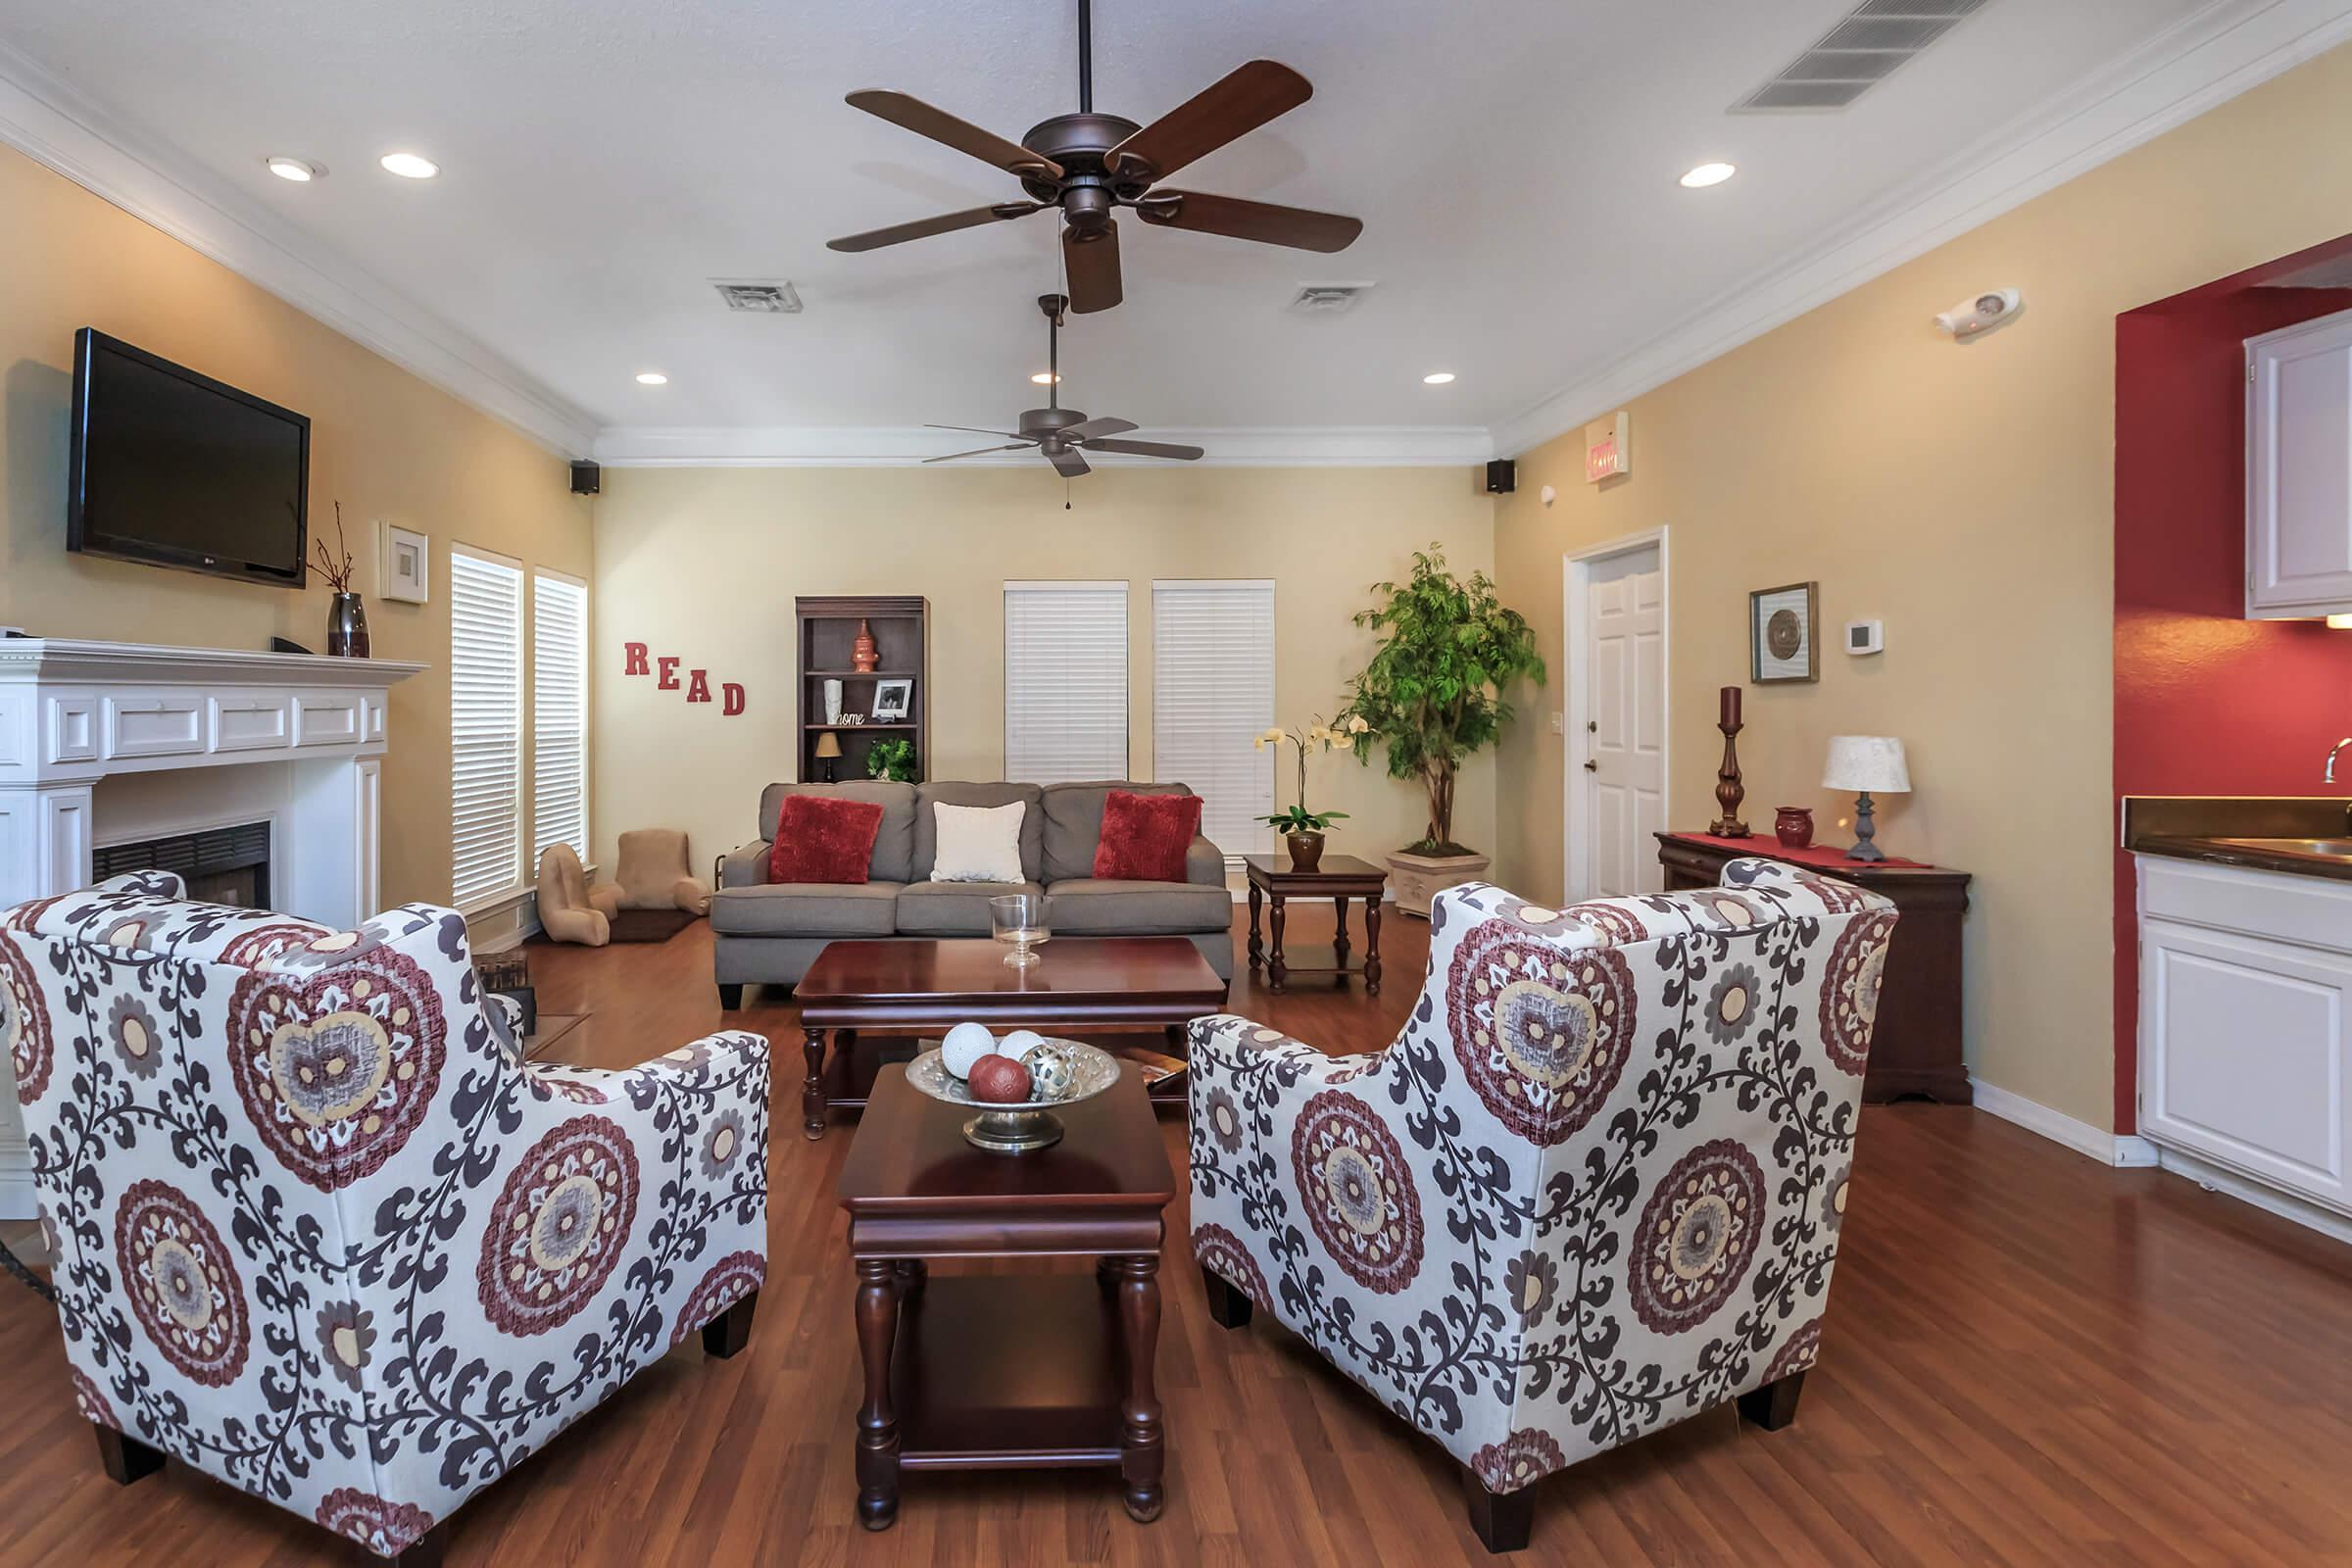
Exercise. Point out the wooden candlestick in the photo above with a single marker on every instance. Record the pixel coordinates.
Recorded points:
(1728, 791)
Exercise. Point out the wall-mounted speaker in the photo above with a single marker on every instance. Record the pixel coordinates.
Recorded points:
(586, 478)
(1503, 476)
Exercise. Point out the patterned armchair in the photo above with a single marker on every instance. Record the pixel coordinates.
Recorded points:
(1593, 1189)
(322, 1231)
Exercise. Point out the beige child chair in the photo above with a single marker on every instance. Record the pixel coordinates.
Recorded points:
(655, 873)
(569, 908)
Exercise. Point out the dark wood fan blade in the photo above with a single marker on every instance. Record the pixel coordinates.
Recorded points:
(1146, 449)
(941, 126)
(979, 451)
(1067, 463)
(1094, 269)
(974, 430)
(1296, 226)
(1090, 428)
(1247, 99)
(924, 227)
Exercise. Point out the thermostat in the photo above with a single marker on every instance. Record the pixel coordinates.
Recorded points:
(1865, 636)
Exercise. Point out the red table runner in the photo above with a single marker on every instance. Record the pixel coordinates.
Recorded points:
(1826, 857)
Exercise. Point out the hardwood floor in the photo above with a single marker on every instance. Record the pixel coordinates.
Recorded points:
(2029, 1359)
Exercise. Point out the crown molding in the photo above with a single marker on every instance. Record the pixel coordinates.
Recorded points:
(58, 126)
(2205, 60)
(898, 447)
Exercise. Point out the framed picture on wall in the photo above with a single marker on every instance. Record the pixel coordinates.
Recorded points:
(1781, 645)
(892, 699)
(408, 565)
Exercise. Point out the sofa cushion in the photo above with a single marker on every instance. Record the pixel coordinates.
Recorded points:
(1091, 906)
(1074, 824)
(952, 908)
(979, 843)
(927, 821)
(807, 910)
(820, 840)
(1145, 837)
(894, 842)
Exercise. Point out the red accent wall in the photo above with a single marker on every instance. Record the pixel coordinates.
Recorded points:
(2206, 702)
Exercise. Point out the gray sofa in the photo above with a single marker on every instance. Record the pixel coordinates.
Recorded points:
(768, 933)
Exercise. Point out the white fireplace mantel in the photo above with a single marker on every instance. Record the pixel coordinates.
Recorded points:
(73, 712)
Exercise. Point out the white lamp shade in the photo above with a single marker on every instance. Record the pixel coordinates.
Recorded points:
(1872, 763)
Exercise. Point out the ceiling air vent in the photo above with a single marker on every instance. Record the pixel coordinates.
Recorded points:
(1857, 54)
(1327, 299)
(765, 298)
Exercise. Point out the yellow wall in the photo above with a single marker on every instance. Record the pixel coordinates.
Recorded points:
(1963, 493)
(392, 448)
(704, 563)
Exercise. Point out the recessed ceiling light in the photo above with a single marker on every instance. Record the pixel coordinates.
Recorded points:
(652, 378)
(1706, 174)
(294, 168)
(408, 166)
(1437, 379)
(1044, 379)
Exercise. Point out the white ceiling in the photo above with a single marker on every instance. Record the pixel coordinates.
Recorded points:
(1514, 161)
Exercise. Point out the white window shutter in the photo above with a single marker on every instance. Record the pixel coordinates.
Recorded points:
(485, 721)
(1065, 681)
(1212, 685)
(558, 715)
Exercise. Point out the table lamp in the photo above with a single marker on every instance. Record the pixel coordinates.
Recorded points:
(828, 747)
(1867, 765)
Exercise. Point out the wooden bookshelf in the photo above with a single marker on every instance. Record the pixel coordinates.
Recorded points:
(827, 630)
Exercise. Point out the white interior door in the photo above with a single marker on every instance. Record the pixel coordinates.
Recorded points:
(1625, 722)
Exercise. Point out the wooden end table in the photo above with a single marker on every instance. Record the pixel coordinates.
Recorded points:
(1017, 1371)
(1339, 878)
(1078, 985)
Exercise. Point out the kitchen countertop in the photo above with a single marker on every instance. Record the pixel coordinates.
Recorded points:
(2297, 835)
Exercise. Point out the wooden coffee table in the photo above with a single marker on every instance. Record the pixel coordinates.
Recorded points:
(1079, 984)
(1025, 1371)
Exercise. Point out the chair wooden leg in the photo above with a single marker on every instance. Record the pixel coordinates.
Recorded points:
(126, 1457)
(730, 998)
(1501, 1519)
(1774, 1405)
(1228, 1308)
(725, 1334)
(425, 1551)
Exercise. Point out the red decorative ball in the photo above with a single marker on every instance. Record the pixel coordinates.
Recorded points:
(999, 1081)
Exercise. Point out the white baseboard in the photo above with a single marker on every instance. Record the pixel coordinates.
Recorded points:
(2108, 1148)
(2220, 1179)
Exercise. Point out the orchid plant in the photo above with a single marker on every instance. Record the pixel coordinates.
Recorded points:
(1344, 735)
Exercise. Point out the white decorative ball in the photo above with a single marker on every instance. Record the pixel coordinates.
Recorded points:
(965, 1045)
(1019, 1043)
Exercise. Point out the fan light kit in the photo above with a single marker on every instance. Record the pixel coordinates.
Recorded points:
(409, 165)
(295, 170)
(1706, 174)
(1086, 166)
(1062, 436)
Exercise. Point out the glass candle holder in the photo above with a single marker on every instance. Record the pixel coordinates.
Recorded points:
(1018, 919)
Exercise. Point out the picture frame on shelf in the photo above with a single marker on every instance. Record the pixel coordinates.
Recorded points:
(407, 566)
(1783, 634)
(894, 700)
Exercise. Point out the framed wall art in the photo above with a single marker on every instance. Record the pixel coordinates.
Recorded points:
(1781, 645)
(408, 565)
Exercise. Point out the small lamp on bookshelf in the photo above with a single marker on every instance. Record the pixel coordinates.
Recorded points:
(828, 748)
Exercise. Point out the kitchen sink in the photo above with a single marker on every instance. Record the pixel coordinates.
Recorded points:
(2330, 849)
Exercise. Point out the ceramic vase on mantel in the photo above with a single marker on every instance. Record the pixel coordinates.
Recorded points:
(1306, 849)
(347, 627)
(1419, 878)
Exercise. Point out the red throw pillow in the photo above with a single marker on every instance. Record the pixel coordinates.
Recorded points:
(1145, 836)
(819, 839)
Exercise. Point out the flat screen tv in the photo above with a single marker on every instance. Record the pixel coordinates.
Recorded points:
(177, 468)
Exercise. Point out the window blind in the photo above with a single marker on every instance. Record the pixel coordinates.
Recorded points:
(1212, 682)
(1065, 681)
(485, 721)
(558, 715)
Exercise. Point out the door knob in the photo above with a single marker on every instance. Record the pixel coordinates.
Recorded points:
(1592, 767)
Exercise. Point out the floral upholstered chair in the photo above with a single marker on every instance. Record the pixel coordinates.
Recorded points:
(1593, 1189)
(322, 1231)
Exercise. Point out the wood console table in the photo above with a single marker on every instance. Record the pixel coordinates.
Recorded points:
(1915, 1048)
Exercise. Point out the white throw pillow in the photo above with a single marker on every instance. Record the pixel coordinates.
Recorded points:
(978, 843)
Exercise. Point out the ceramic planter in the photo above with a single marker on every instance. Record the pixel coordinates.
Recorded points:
(1794, 826)
(1419, 878)
(1306, 849)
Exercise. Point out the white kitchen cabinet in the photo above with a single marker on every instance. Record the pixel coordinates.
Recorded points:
(2299, 470)
(2246, 1022)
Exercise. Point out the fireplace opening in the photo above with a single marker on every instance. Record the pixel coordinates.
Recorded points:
(228, 865)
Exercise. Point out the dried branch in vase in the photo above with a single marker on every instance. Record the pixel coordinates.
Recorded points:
(338, 577)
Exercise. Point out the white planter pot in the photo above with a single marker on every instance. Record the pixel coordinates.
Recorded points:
(1419, 878)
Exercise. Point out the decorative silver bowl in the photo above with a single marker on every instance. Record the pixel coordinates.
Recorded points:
(1017, 1128)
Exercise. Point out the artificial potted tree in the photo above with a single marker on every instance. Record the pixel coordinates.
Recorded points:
(1433, 693)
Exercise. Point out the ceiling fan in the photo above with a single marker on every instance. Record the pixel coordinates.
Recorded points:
(1062, 436)
(1087, 166)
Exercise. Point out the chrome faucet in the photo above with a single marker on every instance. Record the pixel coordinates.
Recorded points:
(2329, 776)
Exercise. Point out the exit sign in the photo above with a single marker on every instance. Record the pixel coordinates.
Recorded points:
(1608, 447)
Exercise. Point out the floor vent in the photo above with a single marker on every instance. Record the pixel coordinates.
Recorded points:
(1860, 52)
(765, 299)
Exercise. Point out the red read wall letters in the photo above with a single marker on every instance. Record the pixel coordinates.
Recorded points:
(697, 681)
